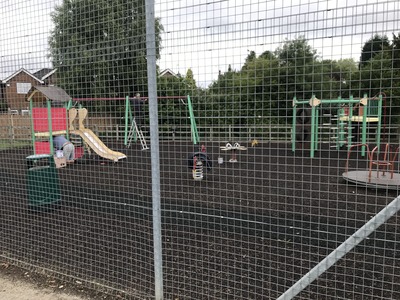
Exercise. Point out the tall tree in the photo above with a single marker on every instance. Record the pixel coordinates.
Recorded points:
(190, 81)
(396, 51)
(296, 52)
(299, 71)
(338, 74)
(372, 47)
(379, 75)
(250, 57)
(99, 47)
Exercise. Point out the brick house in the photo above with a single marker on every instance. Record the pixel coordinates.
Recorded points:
(14, 87)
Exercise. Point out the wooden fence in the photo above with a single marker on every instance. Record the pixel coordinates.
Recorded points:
(18, 127)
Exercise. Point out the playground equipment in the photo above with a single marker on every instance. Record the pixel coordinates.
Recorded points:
(370, 111)
(89, 137)
(197, 169)
(200, 155)
(52, 121)
(233, 149)
(384, 176)
(131, 130)
(134, 132)
(49, 121)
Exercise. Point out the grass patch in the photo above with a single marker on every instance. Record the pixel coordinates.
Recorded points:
(11, 144)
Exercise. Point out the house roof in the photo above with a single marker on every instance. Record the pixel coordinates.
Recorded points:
(168, 72)
(52, 93)
(22, 70)
(44, 73)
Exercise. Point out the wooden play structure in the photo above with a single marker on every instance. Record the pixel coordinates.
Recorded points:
(51, 121)
(307, 113)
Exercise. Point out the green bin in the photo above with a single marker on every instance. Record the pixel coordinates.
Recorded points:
(42, 180)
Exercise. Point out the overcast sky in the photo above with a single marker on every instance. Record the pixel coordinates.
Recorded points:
(24, 31)
(209, 35)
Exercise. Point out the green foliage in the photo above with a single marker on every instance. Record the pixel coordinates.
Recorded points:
(262, 91)
(296, 53)
(174, 111)
(266, 85)
(396, 51)
(378, 75)
(99, 47)
(170, 110)
(189, 80)
(373, 46)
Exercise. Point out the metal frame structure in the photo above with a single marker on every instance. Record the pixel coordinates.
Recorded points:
(315, 103)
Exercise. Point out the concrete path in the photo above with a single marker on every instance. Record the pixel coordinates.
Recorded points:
(11, 289)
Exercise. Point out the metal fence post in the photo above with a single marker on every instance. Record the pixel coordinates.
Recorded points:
(155, 152)
(380, 218)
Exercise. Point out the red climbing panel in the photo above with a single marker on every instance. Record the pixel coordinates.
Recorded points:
(58, 119)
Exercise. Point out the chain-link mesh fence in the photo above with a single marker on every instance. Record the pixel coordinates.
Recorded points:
(221, 149)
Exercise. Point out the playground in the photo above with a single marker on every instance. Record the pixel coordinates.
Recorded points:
(254, 215)
(252, 206)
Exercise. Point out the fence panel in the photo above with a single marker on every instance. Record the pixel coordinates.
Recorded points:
(222, 149)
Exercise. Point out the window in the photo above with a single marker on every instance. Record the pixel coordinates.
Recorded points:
(23, 87)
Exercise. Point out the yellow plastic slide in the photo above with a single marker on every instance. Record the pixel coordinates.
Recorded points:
(97, 145)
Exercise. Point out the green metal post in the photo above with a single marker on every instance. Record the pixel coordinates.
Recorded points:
(339, 124)
(126, 120)
(32, 128)
(312, 146)
(50, 124)
(294, 125)
(67, 107)
(364, 127)
(69, 104)
(350, 126)
(379, 125)
(340, 133)
(316, 128)
(195, 133)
